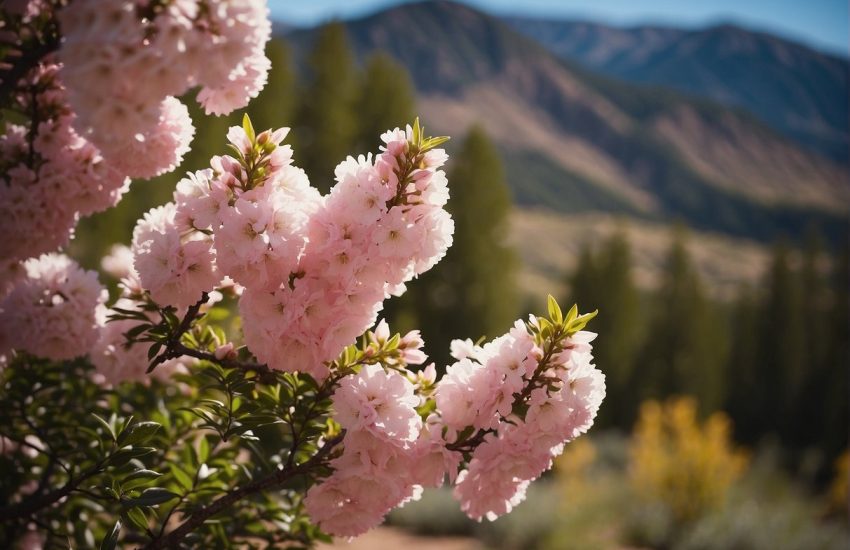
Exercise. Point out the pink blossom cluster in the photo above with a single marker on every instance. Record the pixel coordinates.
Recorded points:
(315, 270)
(518, 448)
(51, 175)
(373, 475)
(52, 311)
(497, 418)
(382, 224)
(125, 61)
(386, 456)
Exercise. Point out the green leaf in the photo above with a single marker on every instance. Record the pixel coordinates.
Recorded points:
(581, 322)
(417, 132)
(249, 128)
(433, 142)
(138, 479)
(573, 313)
(128, 453)
(393, 342)
(137, 330)
(182, 477)
(110, 541)
(203, 450)
(105, 425)
(138, 433)
(554, 310)
(150, 497)
(137, 517)
(154, 350)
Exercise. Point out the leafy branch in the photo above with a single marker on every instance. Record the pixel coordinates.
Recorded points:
(272, 481)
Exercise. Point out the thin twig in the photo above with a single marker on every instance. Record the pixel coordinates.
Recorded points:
(173, 340)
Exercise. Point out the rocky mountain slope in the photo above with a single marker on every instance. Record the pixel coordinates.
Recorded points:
(574, 141)
(799, 91)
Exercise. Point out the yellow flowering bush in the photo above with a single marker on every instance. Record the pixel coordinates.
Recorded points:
(677, 461)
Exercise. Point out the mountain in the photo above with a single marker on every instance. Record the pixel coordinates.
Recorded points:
(575, 141)
(803, 93)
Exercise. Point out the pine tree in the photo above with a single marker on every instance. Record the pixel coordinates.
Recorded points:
(782, 351)
(472, 291)
(325, 122)
(742, 367)
(815, 370)
(385, 101)
(603, 281)
(685, 347)
(275, 106)
(583, 284)
(834, 387)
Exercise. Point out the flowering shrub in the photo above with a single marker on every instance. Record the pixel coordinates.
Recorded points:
(680, 463)
(101, 108)
(144, 418)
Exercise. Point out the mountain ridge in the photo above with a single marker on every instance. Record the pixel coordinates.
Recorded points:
(574, 140)
(799, 91)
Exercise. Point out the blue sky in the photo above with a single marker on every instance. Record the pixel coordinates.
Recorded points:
(822, 23)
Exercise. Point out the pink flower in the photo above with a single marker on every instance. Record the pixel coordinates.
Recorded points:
(411, 347)
(200, 199)
(52, 311)
(380, 402)
(158, 150)
(347, 506)
(244, 83)
(175, 269)
(499, 473)
(119, 262)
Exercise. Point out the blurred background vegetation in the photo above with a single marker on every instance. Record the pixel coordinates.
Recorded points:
(720, 268)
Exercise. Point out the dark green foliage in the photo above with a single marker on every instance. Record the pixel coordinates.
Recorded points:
(385, 101)
(326, 123)
(275, 106)
(789, 356)
(685, 349)
(782, 351)
(472, 291)
(834, 416)
(162, 457)
(776, 359)
(742, 365)
(603, 281)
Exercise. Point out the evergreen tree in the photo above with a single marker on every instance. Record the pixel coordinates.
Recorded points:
(742, 367)
(275, 106)
(385, 101)
(782, 351)
(815, 370)
(685, 346)
(834, 387)
(583, 284)
(325, 122)
(472, 291)
(603, 281)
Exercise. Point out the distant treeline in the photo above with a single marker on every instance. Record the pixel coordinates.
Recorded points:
(776, 360)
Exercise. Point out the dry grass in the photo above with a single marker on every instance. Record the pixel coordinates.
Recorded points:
(724, 262)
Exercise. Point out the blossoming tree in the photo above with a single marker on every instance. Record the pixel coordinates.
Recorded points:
(239, 388)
